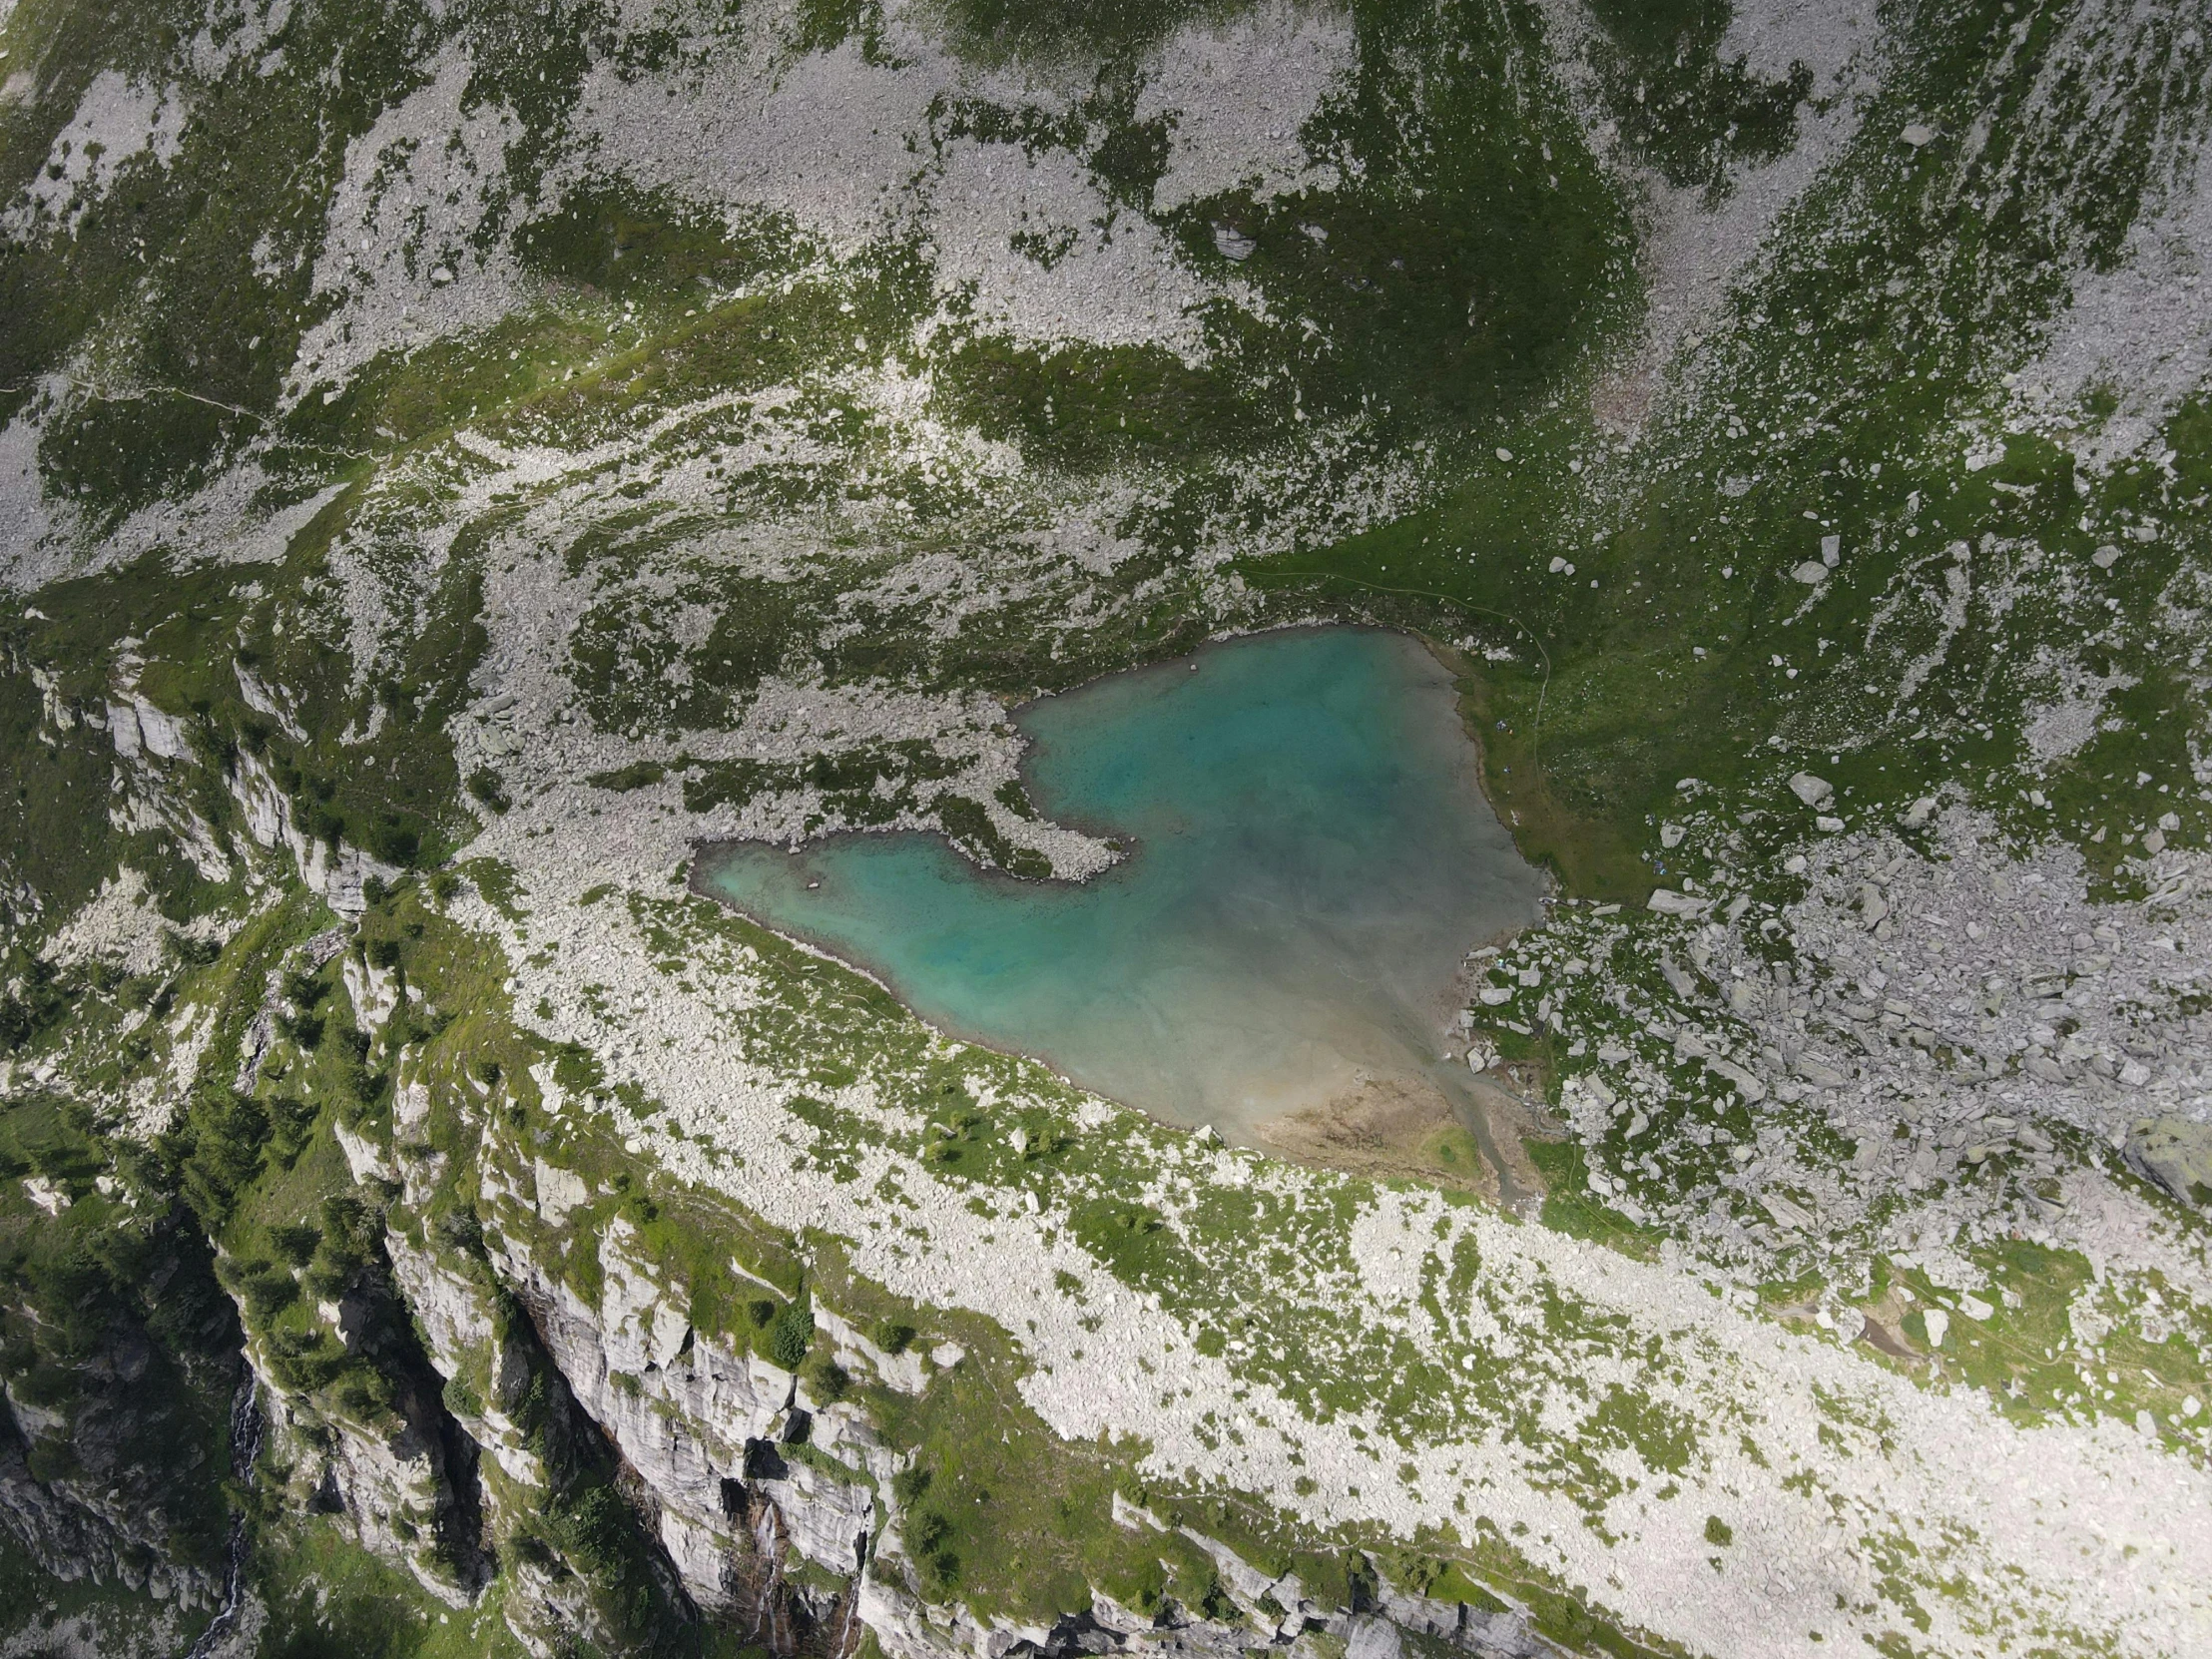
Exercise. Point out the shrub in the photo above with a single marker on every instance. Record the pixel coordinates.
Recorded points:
(394, 840)
(637, 776)
(892, 1336)
(350, 1235)
(926, 1531)
(485, 786)
(358, 1397)
(268, 1291)
(792, 1334)
(927, 1541)
(305, 1030)
(595, 1531)
(460, 1398)
(461, 1229)
(296, 1243)
(327, 1281)
(228, 1132)
(305, 1360)
(367, 1088)
(53, 1460)
(43, 996)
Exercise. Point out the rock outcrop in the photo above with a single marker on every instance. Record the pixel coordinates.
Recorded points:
(106, 1451)
(2176, 1153)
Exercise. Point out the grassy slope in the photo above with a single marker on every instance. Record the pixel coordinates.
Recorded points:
(1868, 343)
(1626, 706)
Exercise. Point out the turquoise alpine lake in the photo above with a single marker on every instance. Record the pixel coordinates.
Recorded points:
(1309, 857)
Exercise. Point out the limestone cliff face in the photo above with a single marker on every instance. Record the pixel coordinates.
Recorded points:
(524, 1420)
(404, 1481)
(108, 1463)
(759, 1505)
(337, 870)
(735, 1472)
(701, 1431)
(546, 1355)
(503, 1379)
(83, 1528)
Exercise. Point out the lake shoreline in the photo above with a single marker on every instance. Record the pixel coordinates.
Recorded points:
(1386, 1020)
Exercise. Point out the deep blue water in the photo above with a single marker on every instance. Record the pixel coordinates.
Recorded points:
(1309, 857)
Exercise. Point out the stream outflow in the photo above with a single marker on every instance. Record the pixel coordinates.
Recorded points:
(246, 1426)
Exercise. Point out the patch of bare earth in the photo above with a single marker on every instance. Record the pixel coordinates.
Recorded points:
(1394, 1128)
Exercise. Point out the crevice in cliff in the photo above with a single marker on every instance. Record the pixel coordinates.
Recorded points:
(116, 1368)
(383, 1333)
(470, 1526)
(604, 1515)
(791, 1620)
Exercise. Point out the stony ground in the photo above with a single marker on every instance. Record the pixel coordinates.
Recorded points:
(453, 464)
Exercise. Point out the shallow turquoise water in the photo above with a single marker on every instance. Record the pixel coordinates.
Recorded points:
(1311, 857)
